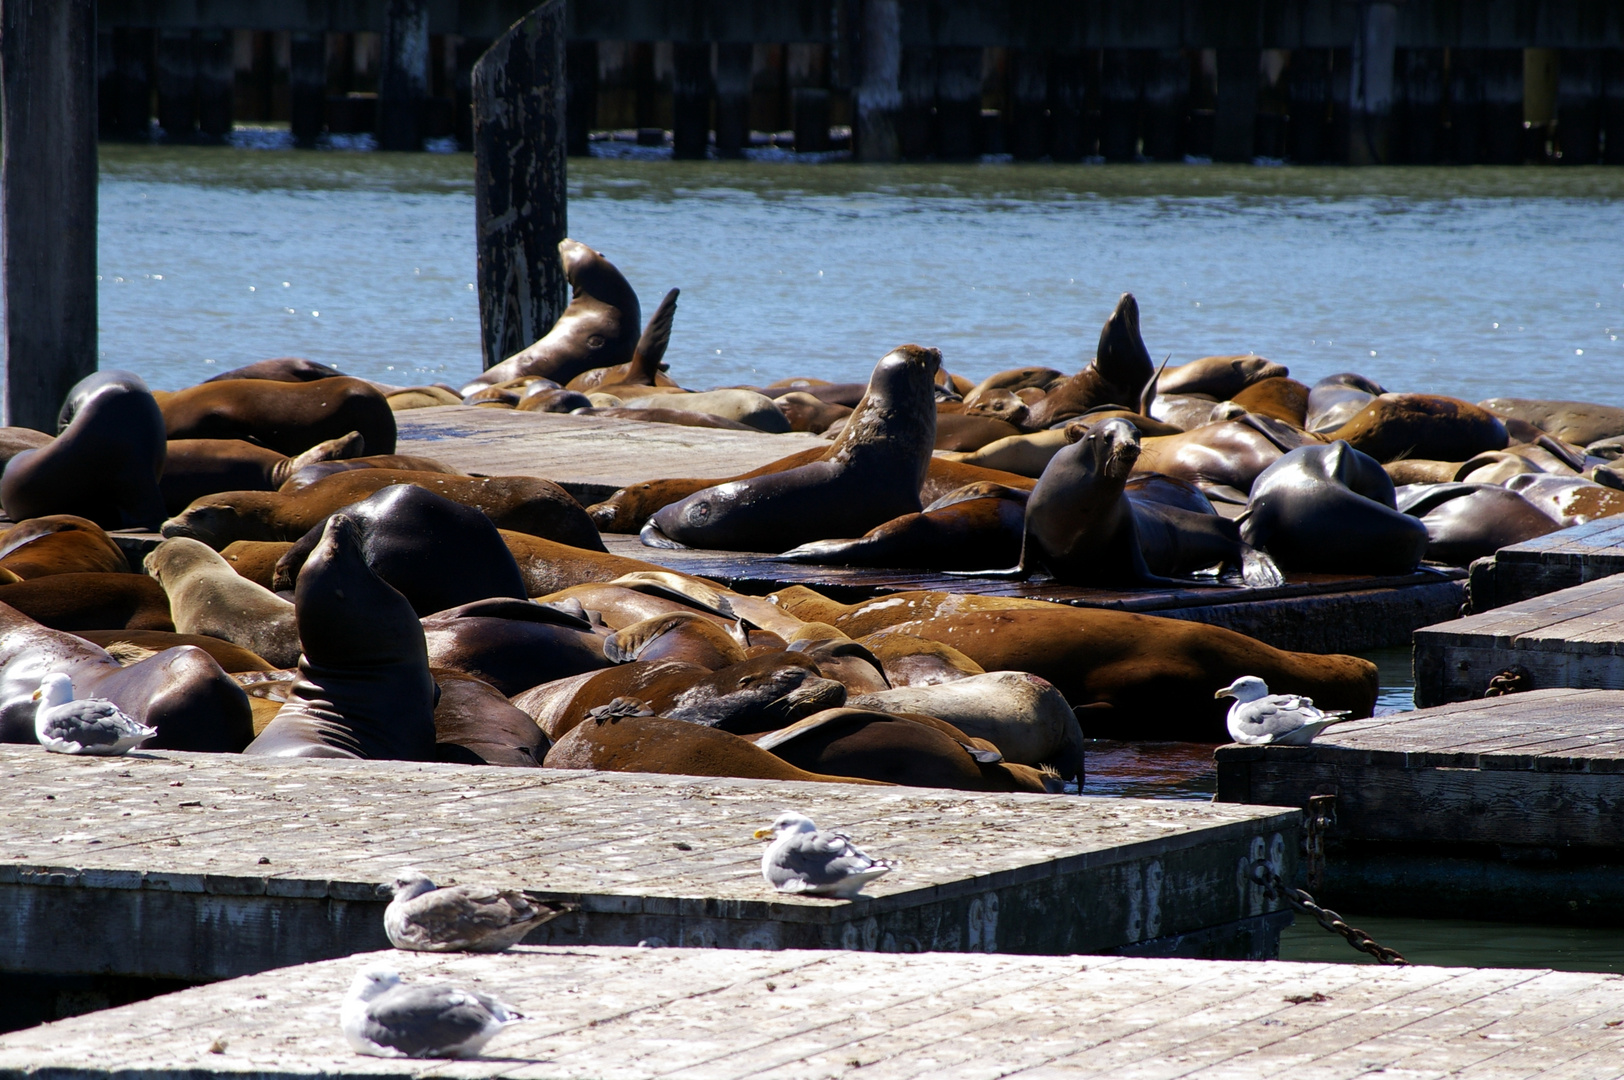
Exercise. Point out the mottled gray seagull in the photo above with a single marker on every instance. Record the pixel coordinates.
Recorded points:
(1259, 718)
(385, 1018)
(804, 859)
(462, 918)
(86, 726)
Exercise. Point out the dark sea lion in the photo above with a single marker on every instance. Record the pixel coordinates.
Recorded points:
(1579, 422)
(598, 329)
(105, 463)
(181, 692)
(1471, 521)
(658, 745)
(1336, 399)
(302, 476)
(963, 535)
(872, 473)
(899, 750)
(206, 596)
(1118, 374)
(198, 467)
(1183, 411)
(806, 413)
(643, 369)
(14, 440)
(554, 401)
(519, 503)
(94, 601)
(434, 552)
(256, 559)
(60, 544)
(512, 644)
(123, 645)
(475, 725)
(288, 417)
(1230, 454)
(965, 432)
(1330, 509)
(364, 688)
(1219, 377)
(1421, 426)
(682, 635)
(281, 369)
(1282, 398)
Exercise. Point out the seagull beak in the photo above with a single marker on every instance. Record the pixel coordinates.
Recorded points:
(1225, 692)
(34, 696)
(763, 834)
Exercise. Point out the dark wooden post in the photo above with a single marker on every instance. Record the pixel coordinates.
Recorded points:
(1502, 106)
(733, 59)
(958, 101)
(1308, 84)
(403, 76)
(1612, 105)
(216, 74)
(1578, 105)
(519, 192)
(1029, 103)
(307, 86)
(1068, 105)
(581, 96)
(47, 205)
(809, 109)
(469, 50)
(690, 99)
(1374, 50)
(1236, 116)
(1166, 104)
(1119, 104)
(177, 84)
(1420, 124)
(879, 86)
(915, 116)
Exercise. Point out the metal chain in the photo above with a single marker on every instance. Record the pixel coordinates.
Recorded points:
(1273, 886)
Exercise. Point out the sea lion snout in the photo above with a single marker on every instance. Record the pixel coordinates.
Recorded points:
(1117, 448)
(918, 355)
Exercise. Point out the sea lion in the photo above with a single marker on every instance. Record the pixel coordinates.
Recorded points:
(1024, 455)
(420, 397)
(1578, 422)
(1330, 509)
(364, 688)
(289, 417)
(1281, 398)
(913, 661)
(105, 463)
(1470, 521)
(181, 692)
(131, 646)
(302, 476)
(1013, 381)
(999, 404)
(1219, 377)
(763, 693)
(967, 534)
(198, 467)
(206, 596)
(806, 413)
(1118, 374)
(1423, 426)
(1569, 500)
(1023, 715)
(632, 743)
(519, 503)
(681, 635)
(643, 369)
(60, 544)
(255, 559)
(682, 417)
(968, 432)
(546, 566)
(554, 401)
(512, 644)
(281, 369)
(598, 329)
(1416, 471)
(434, 552)
(1336, 399)
(1229, 454)
(741, 406)
(560, 705)
(475, 725)
(91, 601)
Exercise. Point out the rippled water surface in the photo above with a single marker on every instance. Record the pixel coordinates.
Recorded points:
(1467, 281)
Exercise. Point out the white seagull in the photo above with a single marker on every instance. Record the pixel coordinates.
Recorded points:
(1259, 718)
(462, 918)
(803, 859)
(384, 1018)
(87, 726)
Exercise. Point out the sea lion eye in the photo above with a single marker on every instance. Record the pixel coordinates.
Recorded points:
(595, 341)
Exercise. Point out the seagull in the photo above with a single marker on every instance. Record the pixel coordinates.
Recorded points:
(1259, 718)
(86, 726)
(802, 859)
(384, 1018)
(462, 918)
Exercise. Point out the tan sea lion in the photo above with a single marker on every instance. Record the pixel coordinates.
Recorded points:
(1282, 398)
(198, 467)
(420, 397)
(289, 417)
(280, 369)
(1219, 377)
(967, 432)
(131, 646)
(547, 566)
(206, 596)
(806, 413)
(1579, 422)
(60, 544)
(1422, 426)
(914, 661)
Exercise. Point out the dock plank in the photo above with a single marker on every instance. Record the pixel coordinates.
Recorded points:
(1555, 561)
(635, 1013)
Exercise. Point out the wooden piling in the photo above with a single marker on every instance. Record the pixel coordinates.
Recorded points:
(1071, 136)
(1502, 106)
(1119, 104)
(133, 49)
(1236, 116)
(307, 86)
(1418, 114)
(177, 84)
(47, 205)
(1165, 103)
(732, 86)
(958, 102)
(519, 182)
(917, 113)
(403, 79)
(879, 87)
(581, 96)
(1308, 87)
(811, 116)
(468, 52)
(691, 100)
(1372, 94)
(1578, 106)
(215, 74)
(1612, 106)
(1028, 103)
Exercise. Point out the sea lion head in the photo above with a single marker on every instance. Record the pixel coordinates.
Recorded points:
(899, 407)
(1122, 359)
(1114, 445)
(215, 524)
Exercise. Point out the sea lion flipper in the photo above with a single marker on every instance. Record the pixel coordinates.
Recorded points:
(656, 336)
(1147, 396)
(1259, 570)
(651, 536)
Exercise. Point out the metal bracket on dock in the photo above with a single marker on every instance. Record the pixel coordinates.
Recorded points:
(1318, 818)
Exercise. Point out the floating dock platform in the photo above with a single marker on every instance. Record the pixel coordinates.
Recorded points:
(202, 867)
(1510, 807)
(636, 1013)
(1558, 560)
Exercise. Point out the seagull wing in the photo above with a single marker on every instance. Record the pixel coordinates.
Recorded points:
(1267, 719)
(818, 861)
(426, 1021)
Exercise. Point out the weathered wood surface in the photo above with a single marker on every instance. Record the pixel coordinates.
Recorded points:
(207, 866)
(1558, 560)
(631, 1013)
(1570, 638)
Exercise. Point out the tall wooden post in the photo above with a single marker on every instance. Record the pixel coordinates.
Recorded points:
(1235, 121)
(917, 81)
(1166, 104)
(958, 101)
(47, 204)
(177, 84)
(1374, 52)
(733, 61)
(519, 192)
(1308, 82)
(1119, 104)
(581, 96)
(690, 100)
(216, 73)
(307, 86)
(403, 77)
(879, 88)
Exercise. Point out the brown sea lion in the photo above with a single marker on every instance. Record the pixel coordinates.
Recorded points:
(93, 601)
(1336, 399)
(1579, 422)
(364, 688)
(967, 534)
(289, 417)
(256, 559)
(913, 661)
(281, 369)
(1013, 381)
(1282, 398)
(763, 693)
(420, 397)
(806, 413)
(1569, 500)
(1421, 426)
(560, 705)
(206, 596)
(554, 401)
(198, 467)
(475, 725)
(1470, 521)
(871, 474)
(105, 463)
(60, 544)
(683, 417)
(682, 635)
(512, 644)
(1000, 404)
(1416, 471)
(1118, 374)
(643, 369)
(124, 645)
(966, 432)
(302, 476)
(631, 743)
(1219, 377)
(598, 329)
(519, 503)
(547, 566)
(181, 692)
(14, 440)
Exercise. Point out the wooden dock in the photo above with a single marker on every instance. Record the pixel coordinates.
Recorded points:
(198, 867)
(1511, 807)
(1571, 638)
(634, 1013)
(1558, 560)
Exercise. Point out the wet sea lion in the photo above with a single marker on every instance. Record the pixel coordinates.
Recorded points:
(966, 534)
(873, 473)
(302, 476)
(1579, 422)
(1336, 399)
(1470, 521)
(181, 692)
(1013, 380)
(1282, 398)
(682, 635)
(105, 463)
(763, 693)
(968, 432)
(281, 369)
(1330, 509)
(512, 644)
(519, 503)
(1229, 454)
(1219, 377)
(436, 553)
(475, 725)
(643, 369)
(1568, 500)
(60, 544)
(206, 596)
(91, 601)
(289, 417)
(1024, 455)
(1117, 375)
(1423, 426)
(364, 688)
(598, 329)
(198, 467)
(129, 646)
(1416, 471)
(806, 413)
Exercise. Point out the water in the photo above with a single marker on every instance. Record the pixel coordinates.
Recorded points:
(1465, 281)
(1462, 943)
